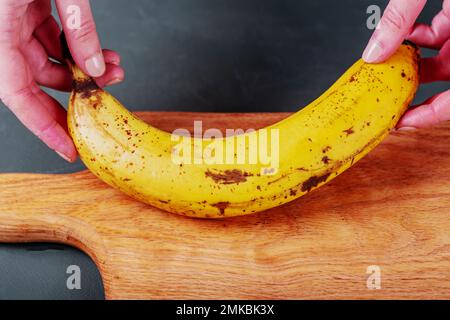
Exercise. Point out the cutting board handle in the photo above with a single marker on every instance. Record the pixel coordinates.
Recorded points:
(43, 208)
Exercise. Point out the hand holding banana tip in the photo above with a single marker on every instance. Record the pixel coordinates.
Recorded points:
(398, 24)
(29, 36)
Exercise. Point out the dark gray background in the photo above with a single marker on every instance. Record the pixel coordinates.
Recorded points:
(192, 55)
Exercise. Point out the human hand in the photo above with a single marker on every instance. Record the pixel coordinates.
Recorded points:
(29, 36)
(396, 25)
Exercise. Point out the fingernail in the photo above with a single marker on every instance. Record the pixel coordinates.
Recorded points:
(63, 156)
(114, 81)
(407, 129)
(95, 65)
(373, 52)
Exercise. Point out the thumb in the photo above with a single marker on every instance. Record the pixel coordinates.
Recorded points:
(82, 39)
(395, 25)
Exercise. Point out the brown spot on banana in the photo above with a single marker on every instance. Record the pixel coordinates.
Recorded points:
(326, 149)
(234, 176)
(326, 160)
(314, 181)
(349, 131)
(85, 87)
(221, 206)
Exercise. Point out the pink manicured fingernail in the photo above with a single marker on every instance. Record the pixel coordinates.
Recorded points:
(114, 81)
(64, 156)
(95, 65)
(373, 52)
(407, 129)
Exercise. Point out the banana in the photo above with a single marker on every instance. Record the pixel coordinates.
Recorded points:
(314, 145)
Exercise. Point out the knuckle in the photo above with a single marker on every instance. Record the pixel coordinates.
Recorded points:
(46, 129)
(394, 19)
(435, 115)
(12, 99)
(85, 33)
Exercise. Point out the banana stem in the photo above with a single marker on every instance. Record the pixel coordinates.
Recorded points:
(81, 80)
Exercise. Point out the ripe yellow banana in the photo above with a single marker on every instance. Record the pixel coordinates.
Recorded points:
(314, 145)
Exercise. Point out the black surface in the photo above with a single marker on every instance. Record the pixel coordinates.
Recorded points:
(196, 55)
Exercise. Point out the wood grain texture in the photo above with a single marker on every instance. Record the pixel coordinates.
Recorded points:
(392, 209)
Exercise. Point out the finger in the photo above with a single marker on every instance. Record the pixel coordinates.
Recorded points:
(37, 12)
(436, 68)
(112, 57)
(14, 3)
(46, 72)
(48, 35)
(446, 8)
(433, 36)
(428, 115)
(114, 74)
(83, 42)
(12, 13)
(54, 108)
(43, 116)
(429, 100)
(27, 105)
(394, 26)
(58, 77)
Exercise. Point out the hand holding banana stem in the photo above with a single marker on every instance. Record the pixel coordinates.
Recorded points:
(398, 24)
(29, 37)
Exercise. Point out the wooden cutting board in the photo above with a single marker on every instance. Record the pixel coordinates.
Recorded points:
(391, 210)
